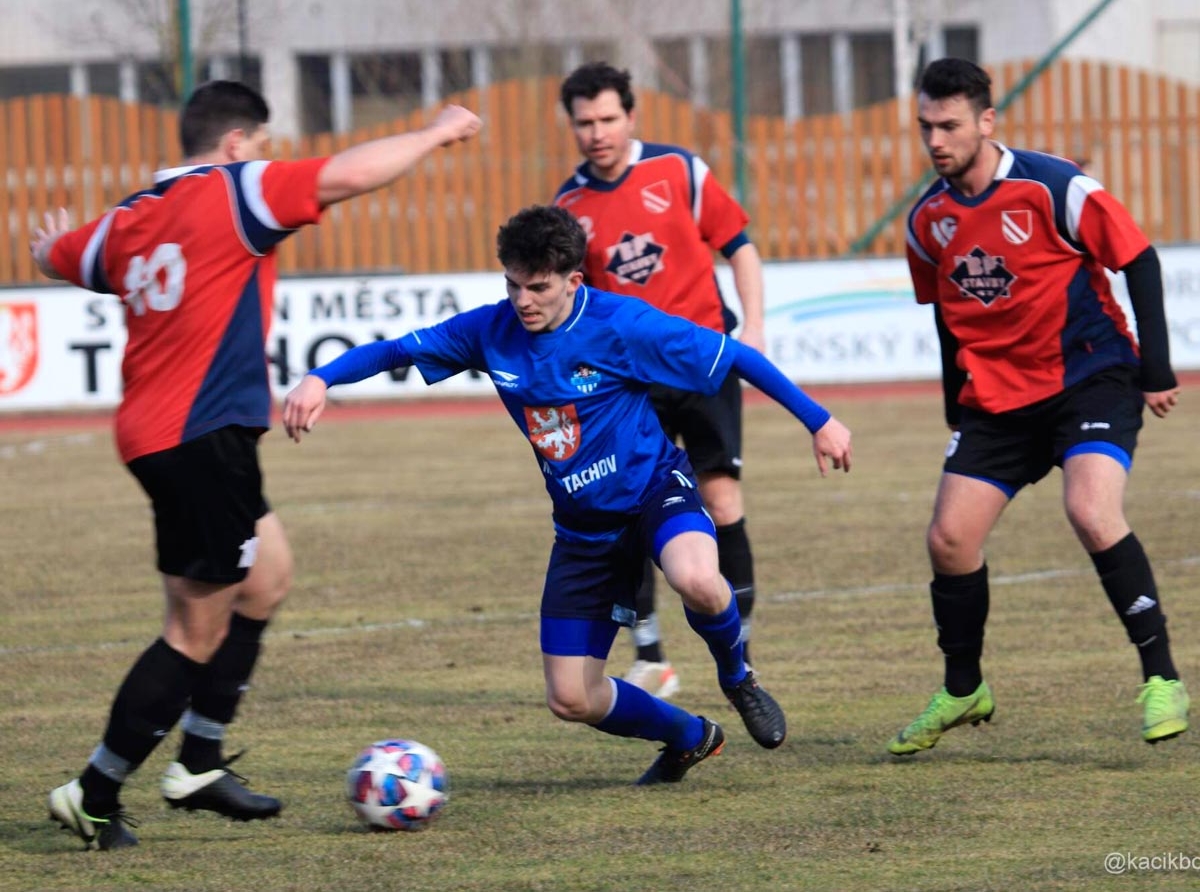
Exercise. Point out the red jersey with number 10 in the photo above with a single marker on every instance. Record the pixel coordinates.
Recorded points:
(651, 233)
(1019, 274)
(193, 260)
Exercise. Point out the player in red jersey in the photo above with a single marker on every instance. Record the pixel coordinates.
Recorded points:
(192, 259)
(654, 215)
(1039, 369)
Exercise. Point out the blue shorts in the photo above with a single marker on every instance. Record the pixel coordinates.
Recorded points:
(590, 586)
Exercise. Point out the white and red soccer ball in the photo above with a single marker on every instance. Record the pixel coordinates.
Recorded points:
(397, 785)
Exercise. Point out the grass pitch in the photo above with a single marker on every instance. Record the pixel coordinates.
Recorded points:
(420, 545)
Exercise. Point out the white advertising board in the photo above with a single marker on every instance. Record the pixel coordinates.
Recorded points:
(826, 322)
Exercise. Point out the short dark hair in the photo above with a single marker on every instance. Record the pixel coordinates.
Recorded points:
(542, 239)
(944, 78)
(590, 80)
(214, 109)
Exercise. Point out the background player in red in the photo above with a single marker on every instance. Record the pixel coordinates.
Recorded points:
(1040, 370)
(654, 214)
(192, 259)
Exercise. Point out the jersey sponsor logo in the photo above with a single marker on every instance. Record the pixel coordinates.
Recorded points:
(1017, 226)
(585, 378)
(18, 345)
(982, 276)
(553, 430)
(504, 379)
(589, 475)
(634, 259)
(943, 230)
(656, 198)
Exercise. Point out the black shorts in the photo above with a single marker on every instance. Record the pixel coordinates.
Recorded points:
(710, 426)
(1102, 413)
(207, 497)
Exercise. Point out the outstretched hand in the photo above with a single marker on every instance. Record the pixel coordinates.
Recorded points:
(56, 224)
(303, 406)
(832, 442)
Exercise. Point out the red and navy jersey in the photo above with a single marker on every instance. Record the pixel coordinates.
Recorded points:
(1019, 275)
(193, 260)
(651, 233)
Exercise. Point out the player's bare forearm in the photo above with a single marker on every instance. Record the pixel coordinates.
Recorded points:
(369, 165)
(748, 281)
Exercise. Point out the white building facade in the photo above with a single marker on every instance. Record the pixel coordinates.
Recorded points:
(340, 64)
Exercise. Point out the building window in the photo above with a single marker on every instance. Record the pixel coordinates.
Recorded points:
(874, 68)
(538, 60)
(29, 80)
(104, 79)
(456, 71)
(761, 76)
(384, 86)
(156, 83)
(316, 95)
(247, 69)
(672, 68)
(962, 42)
(816, 73)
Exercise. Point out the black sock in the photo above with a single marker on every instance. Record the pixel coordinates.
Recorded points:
(1128, 581)
(219, 687)
(147, 705)
(737, 566)
(101, 794)
(960, 609)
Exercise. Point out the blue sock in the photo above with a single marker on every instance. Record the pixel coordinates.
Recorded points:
(635, 713)
(723, 635)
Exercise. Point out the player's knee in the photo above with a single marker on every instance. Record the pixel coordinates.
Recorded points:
(568, 705)
(945, 544)
(701, 591)
(1095, 526)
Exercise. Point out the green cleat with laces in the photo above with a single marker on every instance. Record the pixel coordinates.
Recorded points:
(943, 713)
(1165, 704)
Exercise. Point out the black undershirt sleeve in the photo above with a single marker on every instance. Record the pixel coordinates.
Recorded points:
(953, 378)
(1143, 277)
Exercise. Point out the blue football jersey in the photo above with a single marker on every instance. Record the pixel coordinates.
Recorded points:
(580, 394)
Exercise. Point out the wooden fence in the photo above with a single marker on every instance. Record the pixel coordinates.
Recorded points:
(814, 186)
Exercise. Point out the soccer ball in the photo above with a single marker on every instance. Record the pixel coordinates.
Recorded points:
(397, 785)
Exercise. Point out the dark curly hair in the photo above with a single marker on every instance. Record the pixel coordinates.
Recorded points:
(541, 239)
(590, 80)
(957, 77)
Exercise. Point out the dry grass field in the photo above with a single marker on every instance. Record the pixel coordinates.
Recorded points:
(420, 542)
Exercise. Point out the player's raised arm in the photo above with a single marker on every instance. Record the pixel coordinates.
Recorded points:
(304, 405)
(370, 165)
(831, 438)
(56, 224)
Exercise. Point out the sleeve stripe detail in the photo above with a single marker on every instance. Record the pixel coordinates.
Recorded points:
(87, 262)
(717, 358)
(251, 176)
(1078, 191)
(699, 175)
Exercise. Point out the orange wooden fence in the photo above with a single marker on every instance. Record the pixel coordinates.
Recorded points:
(813, 186)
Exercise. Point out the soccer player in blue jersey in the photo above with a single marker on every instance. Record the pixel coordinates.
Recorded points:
(573, 366)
